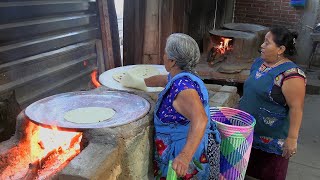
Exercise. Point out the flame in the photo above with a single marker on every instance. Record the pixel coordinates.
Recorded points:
(64, 144)
(224, 45)
(53, 139)
(42, 154)
(94, 79)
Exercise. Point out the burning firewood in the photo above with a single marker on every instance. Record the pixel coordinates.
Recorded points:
(33, 170)
(218, 52)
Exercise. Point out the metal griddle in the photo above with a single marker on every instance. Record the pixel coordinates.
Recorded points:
(51, 110)
(107, 80)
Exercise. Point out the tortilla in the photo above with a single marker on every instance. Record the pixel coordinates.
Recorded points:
(89, 115)
(118, 76)
(139, 71)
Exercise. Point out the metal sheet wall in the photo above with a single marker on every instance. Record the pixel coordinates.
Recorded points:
(47, 47)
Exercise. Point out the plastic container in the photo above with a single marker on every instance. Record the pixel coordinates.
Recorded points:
(298, 3)
(171, 174)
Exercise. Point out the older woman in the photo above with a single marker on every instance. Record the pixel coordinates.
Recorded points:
(274, 95)
(184, 132)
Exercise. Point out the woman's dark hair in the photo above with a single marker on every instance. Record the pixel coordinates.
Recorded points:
(283, 37)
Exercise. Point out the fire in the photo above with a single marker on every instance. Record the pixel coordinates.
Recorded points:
(94, 78)
(53, 148)
(224, 45)
(52, 140)
(43, 152)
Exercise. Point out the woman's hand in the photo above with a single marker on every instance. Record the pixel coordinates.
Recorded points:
(157, 81)
(181, 164)
(289, 147)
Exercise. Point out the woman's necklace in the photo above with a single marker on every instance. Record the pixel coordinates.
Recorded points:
(265, 68)
(276, 64)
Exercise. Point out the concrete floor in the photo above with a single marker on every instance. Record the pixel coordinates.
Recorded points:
(306, 164)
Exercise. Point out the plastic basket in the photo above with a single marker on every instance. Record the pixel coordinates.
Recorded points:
(236, 130)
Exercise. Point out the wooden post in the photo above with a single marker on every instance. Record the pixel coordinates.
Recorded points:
(166, 23)
(173, 19)
(151, 38)
(133, 31)
(109, 33)
(100, 59)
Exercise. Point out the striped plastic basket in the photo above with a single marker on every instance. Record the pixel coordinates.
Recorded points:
(236, 129)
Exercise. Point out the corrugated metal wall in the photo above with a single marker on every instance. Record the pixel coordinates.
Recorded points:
(47, 47)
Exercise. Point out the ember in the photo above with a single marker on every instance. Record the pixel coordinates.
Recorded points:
(46, 152)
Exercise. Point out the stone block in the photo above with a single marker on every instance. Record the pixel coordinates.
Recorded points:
(213, 87)
(97, 161)
(211, 93)
(230, 89)
(224, 99)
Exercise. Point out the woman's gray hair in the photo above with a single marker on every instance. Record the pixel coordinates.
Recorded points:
(184, 50)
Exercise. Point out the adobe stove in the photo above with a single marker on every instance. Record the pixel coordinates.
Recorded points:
(231, 50)
(237, 44)
(46, 146)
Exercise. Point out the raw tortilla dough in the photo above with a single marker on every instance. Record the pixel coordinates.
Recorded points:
(89, 115)
(140, 72)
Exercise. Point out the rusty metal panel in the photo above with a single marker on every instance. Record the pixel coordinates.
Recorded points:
(47, 47)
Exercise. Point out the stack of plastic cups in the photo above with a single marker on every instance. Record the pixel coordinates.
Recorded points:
(236, 130)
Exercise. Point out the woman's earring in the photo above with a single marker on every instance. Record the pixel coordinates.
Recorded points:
(174, 63)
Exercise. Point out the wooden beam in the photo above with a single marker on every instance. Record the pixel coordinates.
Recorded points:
(113, 19)
(166, 23)
(173, 19)
(133, 31)
(100, 59)
(151, 38)
(109, 33)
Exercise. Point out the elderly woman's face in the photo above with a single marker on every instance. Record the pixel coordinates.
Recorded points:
(269, 49)
(167, 63)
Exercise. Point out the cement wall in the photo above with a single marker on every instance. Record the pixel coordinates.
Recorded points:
(304, 43)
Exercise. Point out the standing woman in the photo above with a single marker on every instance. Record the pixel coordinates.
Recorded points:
(274, 94)
(184, 132)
